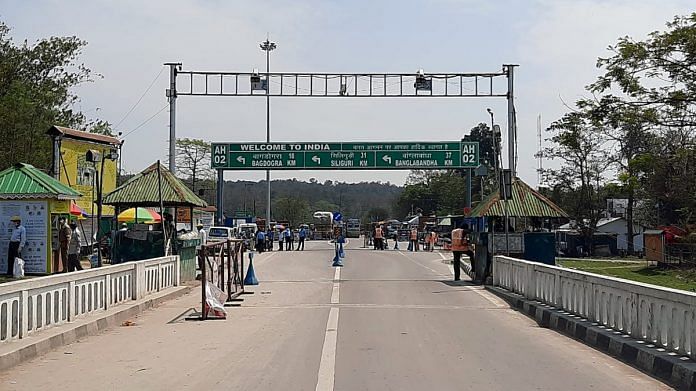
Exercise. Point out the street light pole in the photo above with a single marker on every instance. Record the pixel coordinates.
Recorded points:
(267, 46)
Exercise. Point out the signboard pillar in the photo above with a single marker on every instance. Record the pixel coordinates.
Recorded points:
(219, 197)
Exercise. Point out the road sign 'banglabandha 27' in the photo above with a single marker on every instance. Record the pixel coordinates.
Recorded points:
(352, 155)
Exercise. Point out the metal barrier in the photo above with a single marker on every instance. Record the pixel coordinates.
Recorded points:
(221, 264)
(32, 305)
(663, 316)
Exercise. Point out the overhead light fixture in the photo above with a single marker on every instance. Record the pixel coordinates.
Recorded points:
(422, 83)
(257, 84)
(344, 88)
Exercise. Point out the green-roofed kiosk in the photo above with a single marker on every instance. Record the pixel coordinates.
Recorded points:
(38, 200)
(530, 218)
(154, 187)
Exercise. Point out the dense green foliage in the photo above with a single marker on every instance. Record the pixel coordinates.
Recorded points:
(635, 137)
(443, 192)
(35, 93)
(296, 201)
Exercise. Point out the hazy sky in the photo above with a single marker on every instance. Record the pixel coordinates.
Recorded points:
(556, 43)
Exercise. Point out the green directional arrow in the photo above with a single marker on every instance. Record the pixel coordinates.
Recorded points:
(266, 160)
(339, 160)
(418, 159)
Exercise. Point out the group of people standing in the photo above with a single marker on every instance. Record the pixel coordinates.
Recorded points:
(286, 239)
(70, 245)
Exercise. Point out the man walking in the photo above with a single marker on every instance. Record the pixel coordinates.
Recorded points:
(74, 248)
(17, 242)
(302, 235)
(460, 245)
(64, 236)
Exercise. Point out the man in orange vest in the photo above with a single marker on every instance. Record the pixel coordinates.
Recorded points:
(413, 246)
(460, 245)
(379, 237)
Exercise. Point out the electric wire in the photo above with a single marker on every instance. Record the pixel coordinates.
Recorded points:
(146, 121)
(141, 98)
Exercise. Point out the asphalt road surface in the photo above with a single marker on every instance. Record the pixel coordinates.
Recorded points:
(388, 320)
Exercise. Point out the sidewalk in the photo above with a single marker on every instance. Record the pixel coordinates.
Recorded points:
(39, 343)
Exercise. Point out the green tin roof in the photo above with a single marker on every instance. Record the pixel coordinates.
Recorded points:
(143, 190)
(23, 181)
(525, 202)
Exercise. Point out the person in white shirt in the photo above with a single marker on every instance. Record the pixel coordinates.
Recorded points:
(17, 242)
(202, 235)
(74, 248)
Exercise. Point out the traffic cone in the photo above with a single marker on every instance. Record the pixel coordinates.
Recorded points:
(337, 260)
(341, 253)
(250, 278)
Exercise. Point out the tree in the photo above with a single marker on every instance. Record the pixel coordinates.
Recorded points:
(193, 160)
(35, 93)
(658, 73)
(292, 209)
(656, 79)
(630, 147)
(579, 146)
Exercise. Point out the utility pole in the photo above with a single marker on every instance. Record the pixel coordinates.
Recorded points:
(512, 126)
(171, 95)
(267, 46)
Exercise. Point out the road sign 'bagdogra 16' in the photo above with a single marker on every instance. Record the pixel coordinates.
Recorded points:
(356, 156)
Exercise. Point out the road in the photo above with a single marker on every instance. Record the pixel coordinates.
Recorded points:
(388, 320)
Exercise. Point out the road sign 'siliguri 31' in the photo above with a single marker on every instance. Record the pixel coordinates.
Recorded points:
(341, 156)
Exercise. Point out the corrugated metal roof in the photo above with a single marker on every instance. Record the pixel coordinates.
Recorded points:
(81, 135)
(143, 190)
(26, 181)
(525, 202)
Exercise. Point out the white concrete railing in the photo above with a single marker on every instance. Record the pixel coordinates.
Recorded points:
(31, 305)
(663, 316)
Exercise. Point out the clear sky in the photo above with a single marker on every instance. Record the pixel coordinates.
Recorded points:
(555, 42)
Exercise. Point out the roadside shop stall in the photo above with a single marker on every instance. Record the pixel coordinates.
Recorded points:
(146, 234)
(519, 227)
(39, 201)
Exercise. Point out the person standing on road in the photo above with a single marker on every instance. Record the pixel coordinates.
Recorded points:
(289, 239)
(379, 235)
(281, 239)
(302, 236)
(260, 241)
(460, 245)
(413, 246)
(64, 236)
(17, 241)
(269, 240)
(74, 248)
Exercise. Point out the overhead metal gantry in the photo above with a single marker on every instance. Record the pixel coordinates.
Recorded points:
(360, 85)
(420, 84)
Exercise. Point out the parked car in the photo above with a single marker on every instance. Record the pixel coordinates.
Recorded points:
(217, 234)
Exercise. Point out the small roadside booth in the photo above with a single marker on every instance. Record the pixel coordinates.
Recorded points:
(529, 217)
(154, 187)
(39, 200)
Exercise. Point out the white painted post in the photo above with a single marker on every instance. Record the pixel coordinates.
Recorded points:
(138, 277)
(177, 271)
(24, 313)
(72, 313)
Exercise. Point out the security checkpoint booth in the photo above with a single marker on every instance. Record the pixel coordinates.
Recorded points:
(39, 200)
(520, 226)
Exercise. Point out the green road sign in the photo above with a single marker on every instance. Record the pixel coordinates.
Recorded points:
(354, 155)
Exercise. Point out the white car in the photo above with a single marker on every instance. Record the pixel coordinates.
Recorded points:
(218, 234)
